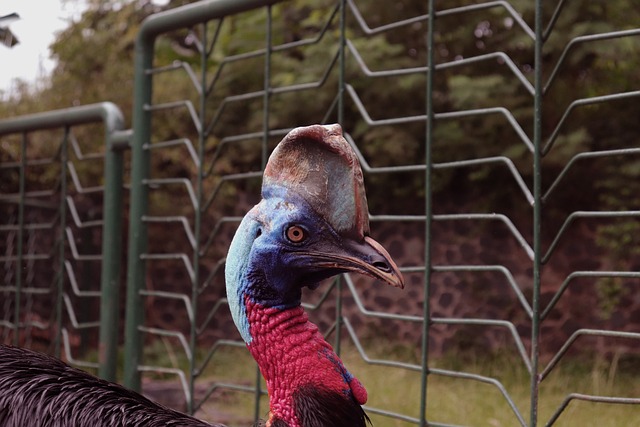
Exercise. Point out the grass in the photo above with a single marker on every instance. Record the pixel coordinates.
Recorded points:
(470, 402)
(451, 401)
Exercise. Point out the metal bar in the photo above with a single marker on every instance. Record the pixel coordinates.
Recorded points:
(176, 142)
(195, 283)
(579, 333)
(62, 225)
(581, 102)
(426, 314)
(177, 104)
(20, 238)
(584, 214)
(578, 274)
(453, 11)
(537, 214)
(70, 358)
(590, 398)
(497, 268)
(137, 245)
(106, 112)
(487, 380)
(554, 19)
(190, 15)
(111, 253)
(263, 162)
(451, 64)
(586, 155)
(340, 97)
(586, 39)
(174, 219)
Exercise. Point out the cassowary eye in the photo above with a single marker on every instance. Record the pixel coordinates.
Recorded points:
(296, 234)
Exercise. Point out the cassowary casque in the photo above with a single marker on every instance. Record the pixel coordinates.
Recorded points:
(312, 223)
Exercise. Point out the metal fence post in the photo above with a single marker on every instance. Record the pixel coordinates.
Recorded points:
(111, 258)
(426, 315)
(62, 209)
(537, 214)
(137, 208)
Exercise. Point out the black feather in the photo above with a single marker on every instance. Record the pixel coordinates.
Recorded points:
(316, 407)
(37, 390)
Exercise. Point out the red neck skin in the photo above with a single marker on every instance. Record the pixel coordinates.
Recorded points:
(292, 353)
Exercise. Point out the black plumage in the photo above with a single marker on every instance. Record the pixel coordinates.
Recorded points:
(58, 395)
(316, 407)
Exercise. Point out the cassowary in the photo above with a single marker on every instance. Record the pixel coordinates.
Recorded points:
(311, 224)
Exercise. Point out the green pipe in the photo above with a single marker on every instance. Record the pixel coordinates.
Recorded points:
(341, 90)
(197, 227)
(111, 259)
(106, 112)
(537, 214)
(265, 142)
(426, 315)
(62, 211)
(20, 249)
(138, 207)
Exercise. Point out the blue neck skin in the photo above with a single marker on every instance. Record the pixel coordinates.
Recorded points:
(263, 265)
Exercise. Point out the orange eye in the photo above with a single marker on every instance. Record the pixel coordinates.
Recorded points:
(296, 234)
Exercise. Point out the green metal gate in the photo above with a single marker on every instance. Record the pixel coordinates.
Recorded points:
(201, 137)
(54, 270)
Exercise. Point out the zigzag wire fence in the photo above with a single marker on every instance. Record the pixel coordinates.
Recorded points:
(185, 274)
(200, 258)
(51, 256)
(196, 291)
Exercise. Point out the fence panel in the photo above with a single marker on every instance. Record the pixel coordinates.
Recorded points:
(427, 103)
(61, 260)
(499, 148)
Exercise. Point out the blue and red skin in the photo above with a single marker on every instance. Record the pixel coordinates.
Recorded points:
(265, 275)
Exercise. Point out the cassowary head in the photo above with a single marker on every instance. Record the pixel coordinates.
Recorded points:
(312, 223)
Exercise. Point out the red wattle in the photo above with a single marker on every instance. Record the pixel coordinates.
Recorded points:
(292, 353)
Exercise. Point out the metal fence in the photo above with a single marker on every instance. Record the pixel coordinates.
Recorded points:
(200, 140)
(59, 266)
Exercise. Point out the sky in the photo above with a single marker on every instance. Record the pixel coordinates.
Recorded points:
(39, 21)
(36, 29)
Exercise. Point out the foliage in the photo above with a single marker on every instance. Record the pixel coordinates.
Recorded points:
(95, 58)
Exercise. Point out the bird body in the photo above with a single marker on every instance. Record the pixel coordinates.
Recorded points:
(311, 224)
(37, 390)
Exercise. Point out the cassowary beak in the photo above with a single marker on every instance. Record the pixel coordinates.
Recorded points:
(368, 258)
